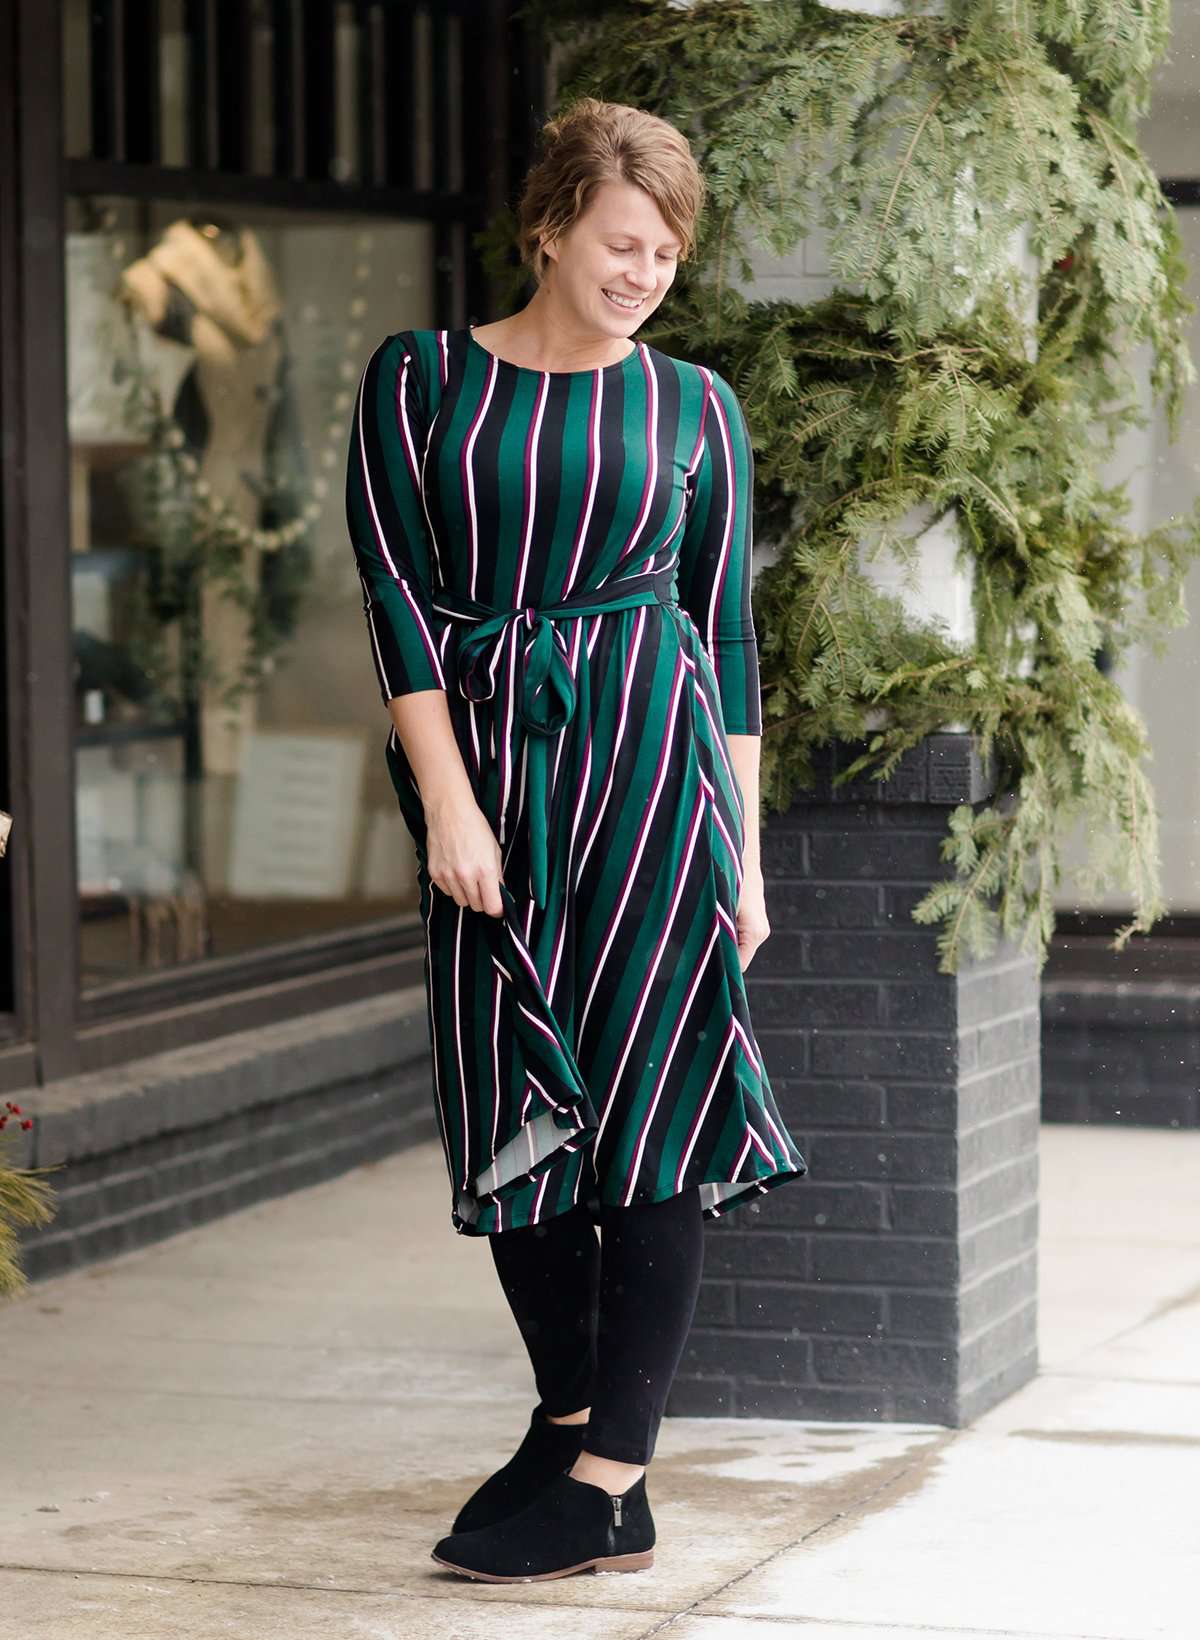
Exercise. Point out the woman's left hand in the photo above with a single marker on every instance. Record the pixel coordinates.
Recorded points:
(752, 924)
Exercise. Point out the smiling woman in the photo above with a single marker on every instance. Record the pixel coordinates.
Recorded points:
(507, 484)
(613, 245)
(613, 263)
(552, 524)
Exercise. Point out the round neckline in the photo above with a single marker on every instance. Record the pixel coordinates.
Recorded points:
(531, 370)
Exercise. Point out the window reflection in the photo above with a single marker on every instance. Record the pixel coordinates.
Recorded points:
(227, 792)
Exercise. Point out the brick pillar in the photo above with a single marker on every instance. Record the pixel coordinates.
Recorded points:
(898, 1280)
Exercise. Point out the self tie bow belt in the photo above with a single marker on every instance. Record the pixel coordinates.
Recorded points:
(524, 649)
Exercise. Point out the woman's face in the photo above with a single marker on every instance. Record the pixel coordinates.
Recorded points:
(620, 244)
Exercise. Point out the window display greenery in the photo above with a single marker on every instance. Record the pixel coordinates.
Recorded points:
(919, 145)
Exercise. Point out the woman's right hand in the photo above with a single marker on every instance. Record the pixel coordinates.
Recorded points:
(463, 855)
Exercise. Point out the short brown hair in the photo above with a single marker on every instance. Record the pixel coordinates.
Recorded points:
(593, 142)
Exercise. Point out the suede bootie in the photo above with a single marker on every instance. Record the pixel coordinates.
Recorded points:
(546, 1451)
(571, 1526)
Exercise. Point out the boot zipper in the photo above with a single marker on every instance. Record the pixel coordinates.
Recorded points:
(616, 1503)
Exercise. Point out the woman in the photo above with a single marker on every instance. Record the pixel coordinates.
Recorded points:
(552, 526)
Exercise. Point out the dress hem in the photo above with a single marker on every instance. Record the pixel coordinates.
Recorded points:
(752, 1187)
(574, 1138)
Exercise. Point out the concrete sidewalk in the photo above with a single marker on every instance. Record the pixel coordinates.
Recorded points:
(260, 1428)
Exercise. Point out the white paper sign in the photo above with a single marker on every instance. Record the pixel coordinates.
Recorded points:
(296, 814)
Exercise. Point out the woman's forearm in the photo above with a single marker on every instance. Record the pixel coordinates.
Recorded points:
(745, 750)
(422, 720)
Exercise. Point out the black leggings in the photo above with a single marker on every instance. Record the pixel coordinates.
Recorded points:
(605, 1326)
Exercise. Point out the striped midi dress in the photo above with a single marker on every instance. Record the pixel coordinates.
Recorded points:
(566, 554)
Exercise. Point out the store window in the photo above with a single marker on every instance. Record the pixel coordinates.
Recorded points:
(230, 787)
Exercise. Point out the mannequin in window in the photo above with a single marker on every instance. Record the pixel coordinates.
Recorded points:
(208, 285)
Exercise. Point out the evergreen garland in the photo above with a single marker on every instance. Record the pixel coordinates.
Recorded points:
(921, 144)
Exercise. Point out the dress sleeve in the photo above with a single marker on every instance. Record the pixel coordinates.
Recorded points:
(714, 556)
(386, 516)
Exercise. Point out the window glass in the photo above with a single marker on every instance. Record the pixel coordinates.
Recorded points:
(231, 788)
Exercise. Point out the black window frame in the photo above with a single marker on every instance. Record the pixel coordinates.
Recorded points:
(49, 1028)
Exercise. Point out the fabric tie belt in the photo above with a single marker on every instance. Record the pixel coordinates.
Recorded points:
(524, 647)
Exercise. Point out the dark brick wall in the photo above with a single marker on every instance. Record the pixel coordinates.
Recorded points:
(1124, 1053)
(162, 1144)
(898, 1280)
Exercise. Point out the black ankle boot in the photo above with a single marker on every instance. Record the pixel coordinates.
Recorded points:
(546, 1451)
(571, 1526)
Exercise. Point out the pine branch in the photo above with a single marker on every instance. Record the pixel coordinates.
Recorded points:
(919, 145)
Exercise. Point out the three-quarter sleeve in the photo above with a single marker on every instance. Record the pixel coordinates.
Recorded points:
(386, 516)
(715, 556)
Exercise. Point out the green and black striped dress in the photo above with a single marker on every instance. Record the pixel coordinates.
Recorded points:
(567, 555)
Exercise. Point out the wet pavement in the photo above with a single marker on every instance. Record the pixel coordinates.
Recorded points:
(260, 1428)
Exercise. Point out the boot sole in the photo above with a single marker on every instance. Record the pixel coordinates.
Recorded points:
(605, 1563)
